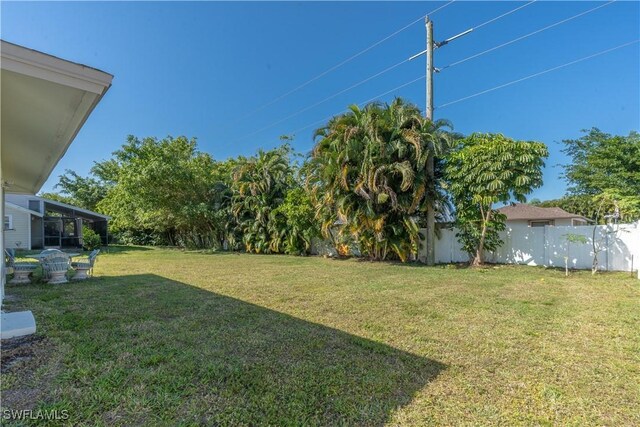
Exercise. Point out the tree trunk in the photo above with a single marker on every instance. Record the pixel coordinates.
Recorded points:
(478, 259)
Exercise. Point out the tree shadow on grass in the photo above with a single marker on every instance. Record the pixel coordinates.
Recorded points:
(145, 349)
(124, 249)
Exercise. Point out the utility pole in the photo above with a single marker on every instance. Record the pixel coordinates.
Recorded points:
(429, 52)
(430, 167)
(431, 213)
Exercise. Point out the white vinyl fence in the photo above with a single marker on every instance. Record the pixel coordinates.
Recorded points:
(618, 247)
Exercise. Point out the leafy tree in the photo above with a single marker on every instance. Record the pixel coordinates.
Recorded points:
(368, 171)
(486, 169)
(85, 192)
(606, 167)
(593, 206)
(604, 176)
(166, 191)
(601, 161)
(576, 204)
(293, 224)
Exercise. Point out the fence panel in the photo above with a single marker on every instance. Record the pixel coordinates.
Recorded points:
(618, 246)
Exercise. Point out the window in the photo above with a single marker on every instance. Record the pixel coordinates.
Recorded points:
(539, 223)
(8, 222)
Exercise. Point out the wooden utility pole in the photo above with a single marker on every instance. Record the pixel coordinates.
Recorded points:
(431, 214)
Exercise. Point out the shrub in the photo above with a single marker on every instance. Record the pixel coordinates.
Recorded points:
(90, 239)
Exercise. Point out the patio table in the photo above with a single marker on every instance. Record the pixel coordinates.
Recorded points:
(40, 256)
(57, 277)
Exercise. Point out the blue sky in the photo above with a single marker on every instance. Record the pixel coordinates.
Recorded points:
(196, 68)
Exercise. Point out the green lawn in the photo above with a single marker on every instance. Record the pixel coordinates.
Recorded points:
(162, 337)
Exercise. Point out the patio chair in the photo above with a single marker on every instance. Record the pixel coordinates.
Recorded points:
(21, 270)
(55, 266)
(84, 269)
(45, 275)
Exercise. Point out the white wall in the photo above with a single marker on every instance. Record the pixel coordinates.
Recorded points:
(547, 246)
(19, 236)
(19, 199)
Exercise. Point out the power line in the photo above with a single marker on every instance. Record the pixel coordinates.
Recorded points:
(437, 9)
(349, 59)
(537, 74)
(477, 27)
(442, 43)
(361, 104)
(422, 77)
(373, 76)
(475, 94)
(392, 90)
(526, 35)
(309, 107)
(394, 66)
(405, 84)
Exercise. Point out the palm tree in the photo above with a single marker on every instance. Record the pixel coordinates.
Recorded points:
(260, 186)
(368, 167)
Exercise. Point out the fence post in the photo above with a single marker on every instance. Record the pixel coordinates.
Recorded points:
(606, 245)
(545, 259)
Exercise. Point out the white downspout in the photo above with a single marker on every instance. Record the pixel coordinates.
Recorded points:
(29, 224)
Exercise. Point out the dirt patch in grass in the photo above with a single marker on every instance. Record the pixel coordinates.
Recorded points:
(23, 356)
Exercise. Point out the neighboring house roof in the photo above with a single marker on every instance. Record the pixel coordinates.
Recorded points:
(22, 200)
(74, 208)
(530, 212)
(71, 207)
(21, 209)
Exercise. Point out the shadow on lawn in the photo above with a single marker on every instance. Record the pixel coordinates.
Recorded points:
(188, 355)
(123, 249)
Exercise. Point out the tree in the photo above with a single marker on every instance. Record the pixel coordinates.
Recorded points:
(368, 171)
(576, 204)
(84, 192)
(606, 167)
(260, 185)
(486, 169)
(601, 161)
(292, 224)
(166, 192)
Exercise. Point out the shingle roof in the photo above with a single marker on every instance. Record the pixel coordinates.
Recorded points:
(524, 211)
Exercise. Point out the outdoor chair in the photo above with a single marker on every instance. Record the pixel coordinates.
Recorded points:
(21, 270)
(84, 269)
(55, 266)
(45, 252)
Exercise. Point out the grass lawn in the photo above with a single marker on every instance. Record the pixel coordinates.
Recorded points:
(162, 337)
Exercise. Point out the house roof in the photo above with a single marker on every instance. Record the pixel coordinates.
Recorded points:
(45, 102)
(21, 209)
(530, 212)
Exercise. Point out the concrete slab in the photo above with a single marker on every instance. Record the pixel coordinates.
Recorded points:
(17, 324)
